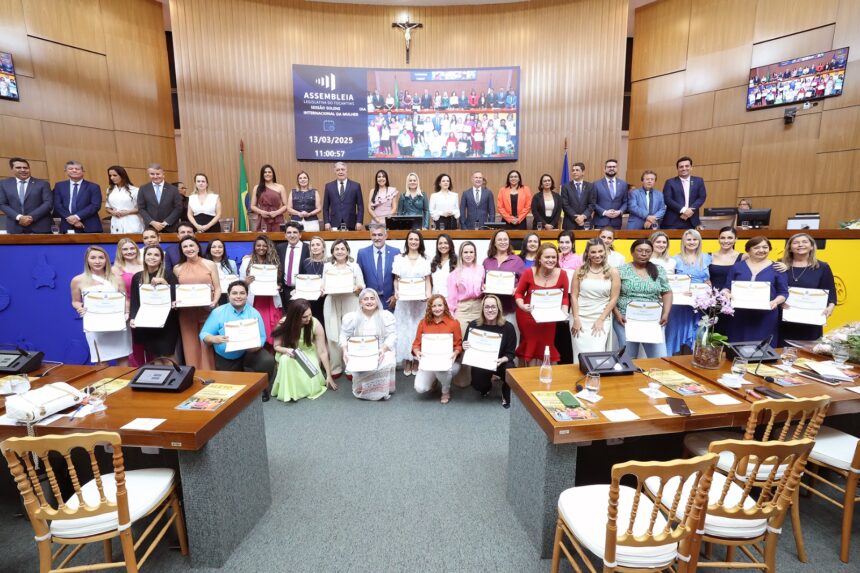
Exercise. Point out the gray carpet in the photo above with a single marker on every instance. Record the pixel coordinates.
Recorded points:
(404, 485)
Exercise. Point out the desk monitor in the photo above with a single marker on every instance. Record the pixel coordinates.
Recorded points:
(802, 223)
(403, 222)
(720, 211)
(755, 218)
(606, 364)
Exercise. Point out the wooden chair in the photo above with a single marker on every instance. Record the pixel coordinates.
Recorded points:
(633, 534)
(840, 453)
(779, 420)
(734, 517)
(103, 508)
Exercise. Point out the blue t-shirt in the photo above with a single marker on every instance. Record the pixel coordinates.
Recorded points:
(214, 326)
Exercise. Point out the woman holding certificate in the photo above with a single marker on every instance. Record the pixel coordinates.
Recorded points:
(542, 300)
(197, 280)
(159, 287)
(216, 252)
(412, 288)
(342, 280)
(125, 265)
(644, 303)
(691, 268)
(263, 264)
(367, 343)
(492, 339)
(757, 290)
(805, 272)
(300, 344)
(593, 296)
(310, 267)
(437, 343)
(105, 344)
(443, 264)
(503, 268)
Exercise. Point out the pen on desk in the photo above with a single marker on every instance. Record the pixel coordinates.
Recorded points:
(75, 413)
(754, 395)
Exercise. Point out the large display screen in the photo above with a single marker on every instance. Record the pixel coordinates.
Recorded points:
(362, 114)
(812, 77)
(8, 80)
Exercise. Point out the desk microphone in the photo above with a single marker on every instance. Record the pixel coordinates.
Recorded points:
(758, 350)
(616, 355)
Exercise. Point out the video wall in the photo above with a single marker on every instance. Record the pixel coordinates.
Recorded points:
(363, 114)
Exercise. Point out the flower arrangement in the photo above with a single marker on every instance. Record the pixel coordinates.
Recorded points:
(708, 345)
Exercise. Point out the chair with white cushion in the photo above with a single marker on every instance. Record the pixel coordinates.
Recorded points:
(769, 419)
(840, 453)
(742, 514)
(99, 510)
(632, 534)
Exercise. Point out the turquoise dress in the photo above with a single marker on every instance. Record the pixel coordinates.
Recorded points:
(292, 382)
(683, 320)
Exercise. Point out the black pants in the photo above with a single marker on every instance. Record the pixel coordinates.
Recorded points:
(482, 380)
(259, 361)
(563, 343)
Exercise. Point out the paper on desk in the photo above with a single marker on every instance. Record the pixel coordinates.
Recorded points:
(147, 424)
(855, 389)
(652, 393)
(7, 421)
(621, 415)
(589, 397)
(721, 399)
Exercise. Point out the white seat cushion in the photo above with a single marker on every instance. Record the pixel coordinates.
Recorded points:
(835, 448)
(727, 460)
(697, 443)
(717, 526)
(145, 489)
(584, 509)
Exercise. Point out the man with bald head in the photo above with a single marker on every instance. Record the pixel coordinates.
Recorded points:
(343, 202)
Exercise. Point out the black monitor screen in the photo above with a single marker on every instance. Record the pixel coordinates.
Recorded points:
(720, 211)
(754, 217)
(8, 79)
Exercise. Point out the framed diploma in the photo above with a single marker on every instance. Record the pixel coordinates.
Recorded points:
(751, 294)
(363, 353)
(242, 334)
(412, 289)
(500, 282)
(308, 287)
(193, 295)
(642, 322)
(339, 281)
(547, 305)
(105, 311)
(436, 352)
(484, 348)
(265, 281)
(805, 306)
(154, 306)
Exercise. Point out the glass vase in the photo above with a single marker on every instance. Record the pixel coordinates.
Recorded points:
(706, 354)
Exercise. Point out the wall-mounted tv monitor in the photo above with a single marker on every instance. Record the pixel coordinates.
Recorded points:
(8, 79)
(809, 78)
(372, 114)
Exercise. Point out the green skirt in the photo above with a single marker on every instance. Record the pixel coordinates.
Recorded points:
(291, 381)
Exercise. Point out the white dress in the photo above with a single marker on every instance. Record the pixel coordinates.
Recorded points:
(440, 279)
(408, 313)
(124, 199)
(593, 297)
(377, 384)
(208, 207)
(335, 307)
(667, 264)
(106, 346)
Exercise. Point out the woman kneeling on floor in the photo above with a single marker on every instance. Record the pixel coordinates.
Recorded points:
(436, 329)
(300, 347)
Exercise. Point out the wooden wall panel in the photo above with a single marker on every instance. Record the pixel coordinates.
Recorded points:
(718, 172)
(665, 50)
(21, 138)
(697, 112)
(834, 171)
(658, 154)
(855, 170)
(76, 23)
(730, 109)
(847, 32)
(776, 18)
(30, 102)
(13, 36)
(94, 148)
(74, 85)
(138, 150)
(722, 193)
(663, 97)
(719, 52)
(712, 146)
(840, 129)
(794, 46)
(38, 169)
(577, 95)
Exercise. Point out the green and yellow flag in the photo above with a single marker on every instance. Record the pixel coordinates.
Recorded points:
(242, 209)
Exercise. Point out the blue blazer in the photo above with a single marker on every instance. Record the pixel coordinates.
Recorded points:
(637, 209)
(37, 204)
(673, 193)
(471, 212)
(348, 209)
(87, 205)
(604, 202)
(367, 264)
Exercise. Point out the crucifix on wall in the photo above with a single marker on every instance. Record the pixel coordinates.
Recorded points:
(407, 28)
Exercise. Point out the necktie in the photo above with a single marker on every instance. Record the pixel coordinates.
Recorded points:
(379, 268)
(158, 193)
(74, 201)
(22, 190)
(578, 188)
(290, 266)
(340, 193)
(648, 202)
(612, 188)
(477, 196)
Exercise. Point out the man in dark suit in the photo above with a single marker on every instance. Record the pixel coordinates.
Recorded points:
(684, 195)
(477, 204)
(375, 263)
(610, 197)
(77, 201)
(343, 202)
(160, 203)
(290, 256)
(577, 198)
(26, 200)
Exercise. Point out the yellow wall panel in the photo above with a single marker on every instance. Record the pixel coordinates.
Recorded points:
(719, 52)
(13, 36)
(664, 50)
(775, 18)
(711, 146)
(76, 23)
(139, 150)
(697, 112)
(94, 148)
(21, 138)
(657, 104)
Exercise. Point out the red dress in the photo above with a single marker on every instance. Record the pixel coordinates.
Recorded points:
(535, 337)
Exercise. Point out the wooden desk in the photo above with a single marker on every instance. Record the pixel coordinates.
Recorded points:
(221, 455)
(542, 454)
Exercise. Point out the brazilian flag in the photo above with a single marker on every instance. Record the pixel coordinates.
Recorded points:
(243, 192)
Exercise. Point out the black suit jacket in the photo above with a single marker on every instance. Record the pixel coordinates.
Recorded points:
(168, 211)
(539, 217)
(348, 209)
(283, 258)
(38, 202)
(576, 204)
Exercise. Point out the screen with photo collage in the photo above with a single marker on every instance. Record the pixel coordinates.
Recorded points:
(8, 80)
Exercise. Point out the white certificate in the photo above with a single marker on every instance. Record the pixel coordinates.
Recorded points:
(226, 281)
(412, 289)
(684, 292)
(547, 305)
(242, 334)
(642, 322)
(308, 287)
(363, 352)
(339, 281)
(751, 294)
(105, 311)
(154, 306)
(484, 348)
(437, 352)
(193, 295)
(806, 306)
(265, 281)
(500, 282)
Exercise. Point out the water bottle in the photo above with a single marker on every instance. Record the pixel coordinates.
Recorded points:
(545, 375)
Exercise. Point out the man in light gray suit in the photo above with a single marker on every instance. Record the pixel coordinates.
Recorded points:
(160, 203)
(27, 201)
(477, 204)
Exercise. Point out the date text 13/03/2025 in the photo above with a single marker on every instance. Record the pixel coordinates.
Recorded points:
(330, 139)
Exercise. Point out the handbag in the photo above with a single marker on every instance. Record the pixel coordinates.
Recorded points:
(46, 401)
